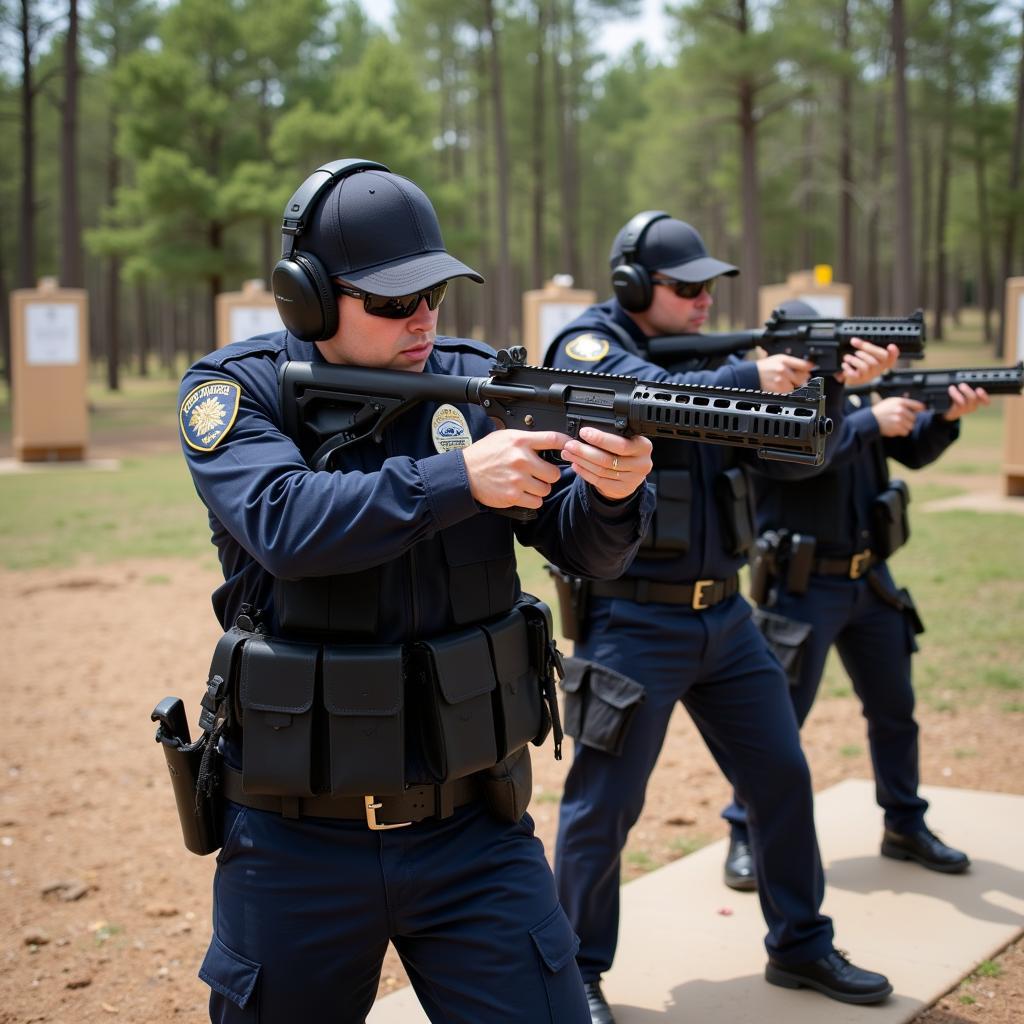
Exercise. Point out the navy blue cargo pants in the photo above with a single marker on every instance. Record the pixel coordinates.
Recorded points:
(875, 642)
(715, 663)
(303, 911)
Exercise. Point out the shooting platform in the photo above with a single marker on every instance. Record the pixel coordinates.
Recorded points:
(692, 950)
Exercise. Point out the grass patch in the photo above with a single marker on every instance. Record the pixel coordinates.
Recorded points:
(146, 509)
(1001, 678)
(988, 969)
(640, 860)
(546, 796)
(851, 750)
(683, 846)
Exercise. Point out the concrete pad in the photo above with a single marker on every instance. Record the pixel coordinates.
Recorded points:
(692, 950)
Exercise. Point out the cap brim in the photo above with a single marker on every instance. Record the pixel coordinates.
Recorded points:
(409, 274)
(701, 269)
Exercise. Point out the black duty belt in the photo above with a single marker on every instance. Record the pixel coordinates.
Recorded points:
(698, 595)
(417, 803)
(853, 567)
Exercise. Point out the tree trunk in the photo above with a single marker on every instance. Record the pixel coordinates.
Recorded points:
(807, 187)
(70, 216)
(945, 163)
(27, 209)
(565, 112)
(984, 227)
(503, 312)
(751, 277)
(5, 320)
(487, 320)
(143, 340)
(537, 270)
(113, 317)
(845, 242)
(924, 248)
(873, 267)
(903, 276)
(1011, 261)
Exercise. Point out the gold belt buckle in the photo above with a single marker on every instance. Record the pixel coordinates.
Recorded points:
(697, 602)
(372, 807)
(860, 563)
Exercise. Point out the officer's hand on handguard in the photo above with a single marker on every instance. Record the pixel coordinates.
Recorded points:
(965, 399)
(896, 415)
(614, 466)
(867, 362)
(505, 468)
(782, 373)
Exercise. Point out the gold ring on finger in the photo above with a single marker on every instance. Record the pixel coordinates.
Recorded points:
(615, 463)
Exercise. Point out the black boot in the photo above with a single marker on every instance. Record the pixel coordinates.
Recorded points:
(926, 848)
(834, 976)
(600, 1012)
(739, 865)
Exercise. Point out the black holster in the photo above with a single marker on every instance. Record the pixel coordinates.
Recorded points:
(199, 809)
(573, 595)
(889, 519)
(195, 767)
(764, 567)
(508, 786)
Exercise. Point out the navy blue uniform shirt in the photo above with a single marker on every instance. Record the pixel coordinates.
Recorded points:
(602, 351)
(834, 505)
(386, 506)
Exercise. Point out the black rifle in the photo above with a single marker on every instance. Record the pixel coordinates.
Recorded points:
(932, 386)
(328, 407)
(820, 339)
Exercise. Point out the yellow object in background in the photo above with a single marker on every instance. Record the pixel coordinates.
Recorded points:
(822, 274)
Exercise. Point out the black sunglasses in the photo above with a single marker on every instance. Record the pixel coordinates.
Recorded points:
(395, 307)
(688, 289)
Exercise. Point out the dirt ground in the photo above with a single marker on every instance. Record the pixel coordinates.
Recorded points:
(108, 917)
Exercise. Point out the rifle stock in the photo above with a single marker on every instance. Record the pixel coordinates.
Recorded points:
(932, 386)
(328, 407)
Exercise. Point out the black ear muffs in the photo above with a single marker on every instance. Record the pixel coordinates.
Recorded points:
(305, 297)
(631, 281)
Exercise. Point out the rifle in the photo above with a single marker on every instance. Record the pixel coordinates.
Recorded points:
(932, 386)
(822, 340)
(328, 407)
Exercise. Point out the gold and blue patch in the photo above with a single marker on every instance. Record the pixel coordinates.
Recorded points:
(587, 348)
(208, 413)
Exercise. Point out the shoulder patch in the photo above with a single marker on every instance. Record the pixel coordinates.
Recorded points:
(208, 413)
(587, 348)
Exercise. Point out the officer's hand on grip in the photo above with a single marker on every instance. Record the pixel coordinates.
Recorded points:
(505, 467)
(867, 362)
(896, 415)
(782, 373)
(965, 399)
(614, 466)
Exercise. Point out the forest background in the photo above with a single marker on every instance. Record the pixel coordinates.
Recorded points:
(150, 146)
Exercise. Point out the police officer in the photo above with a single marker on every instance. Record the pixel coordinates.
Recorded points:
(384, 594)
(674, 630)
(827, 539)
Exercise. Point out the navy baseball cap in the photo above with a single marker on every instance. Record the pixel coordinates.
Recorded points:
(379, 232)
(674, 248)
(797, 307)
